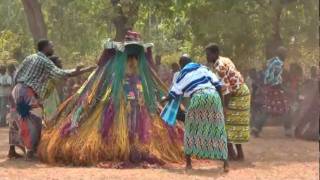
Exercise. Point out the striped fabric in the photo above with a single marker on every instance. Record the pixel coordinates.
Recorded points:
(36, 70)
(192, 78)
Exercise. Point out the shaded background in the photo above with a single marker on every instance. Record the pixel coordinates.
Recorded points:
(247, 30)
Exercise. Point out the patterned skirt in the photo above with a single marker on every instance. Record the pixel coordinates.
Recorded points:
(205, 134)
(276, 100)
(14, 129)
(4, 101)
(29, 116)
(238, 116)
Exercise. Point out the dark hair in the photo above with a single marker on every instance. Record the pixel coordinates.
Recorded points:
(313, 70)
(174, 65)
(158, 56)
(296, 69)
(43, 43)
(11, 68)
(281, 52)
(56, 61)
(184, 61)
(252, 72)
(3, 68)
(213, 47)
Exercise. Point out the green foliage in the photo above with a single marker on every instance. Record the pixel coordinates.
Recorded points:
(14, 34)
(13, 45)
(241, 27)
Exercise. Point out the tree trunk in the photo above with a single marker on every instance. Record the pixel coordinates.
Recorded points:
(120, 24)
(124, 22)
(275, 40)
(32, 9)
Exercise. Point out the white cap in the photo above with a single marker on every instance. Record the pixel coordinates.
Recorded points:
(185, 55)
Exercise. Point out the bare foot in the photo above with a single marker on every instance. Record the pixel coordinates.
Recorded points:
(29, 156)
(255, 133)
(22, 149)
(188, 162)
(231, 152)
(225, 166)
(232, 157)
(240, 158)
(188, 167)
(14, 155)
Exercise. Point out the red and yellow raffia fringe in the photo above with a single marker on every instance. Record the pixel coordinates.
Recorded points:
(87, 147)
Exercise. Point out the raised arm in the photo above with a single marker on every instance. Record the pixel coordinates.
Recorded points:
(58, 73)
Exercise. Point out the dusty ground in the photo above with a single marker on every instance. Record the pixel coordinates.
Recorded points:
(271, 157)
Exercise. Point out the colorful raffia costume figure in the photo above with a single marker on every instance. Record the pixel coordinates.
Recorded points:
(114, 117)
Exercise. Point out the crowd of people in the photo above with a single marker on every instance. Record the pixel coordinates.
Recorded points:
(299, 107)
(6, 83)
(276, 94)
(224, 106)
(293, 100)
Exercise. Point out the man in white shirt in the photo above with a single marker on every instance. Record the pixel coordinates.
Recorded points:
(5, 91)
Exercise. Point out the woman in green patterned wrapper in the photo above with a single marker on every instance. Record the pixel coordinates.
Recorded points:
(236, 100)
(205, 135)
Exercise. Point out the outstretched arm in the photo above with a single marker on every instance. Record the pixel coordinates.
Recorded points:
(79, 70)
(58, 73)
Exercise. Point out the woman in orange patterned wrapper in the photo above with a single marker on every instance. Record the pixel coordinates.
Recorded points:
(236, 98)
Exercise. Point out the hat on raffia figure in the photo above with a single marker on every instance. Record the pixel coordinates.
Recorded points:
(132, 36)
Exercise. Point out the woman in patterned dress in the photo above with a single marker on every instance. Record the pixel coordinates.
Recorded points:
(236, 95)
(205, 134)
(276, 102)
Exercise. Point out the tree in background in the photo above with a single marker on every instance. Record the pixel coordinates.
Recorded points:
(35, 19)
(124, 16)
(246, 29)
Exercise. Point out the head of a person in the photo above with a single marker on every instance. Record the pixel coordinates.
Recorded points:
(212, 52)
(2, 70)
(56, 60)
(175, 67)
(184, 61)
(313, 72)
(46, 47)
(70, 82)
(281, 52)
(296, 69)
(158, 59)
(11, 69)
(252, 73)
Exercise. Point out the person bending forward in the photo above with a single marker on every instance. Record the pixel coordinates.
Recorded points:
(236, 95)
(205, 134)
(29, 90)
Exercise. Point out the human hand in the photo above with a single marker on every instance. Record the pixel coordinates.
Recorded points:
(79, 67)
(164, 99)
(224, 113)
(91, 68)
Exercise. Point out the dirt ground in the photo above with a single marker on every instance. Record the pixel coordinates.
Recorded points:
(272, 156)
